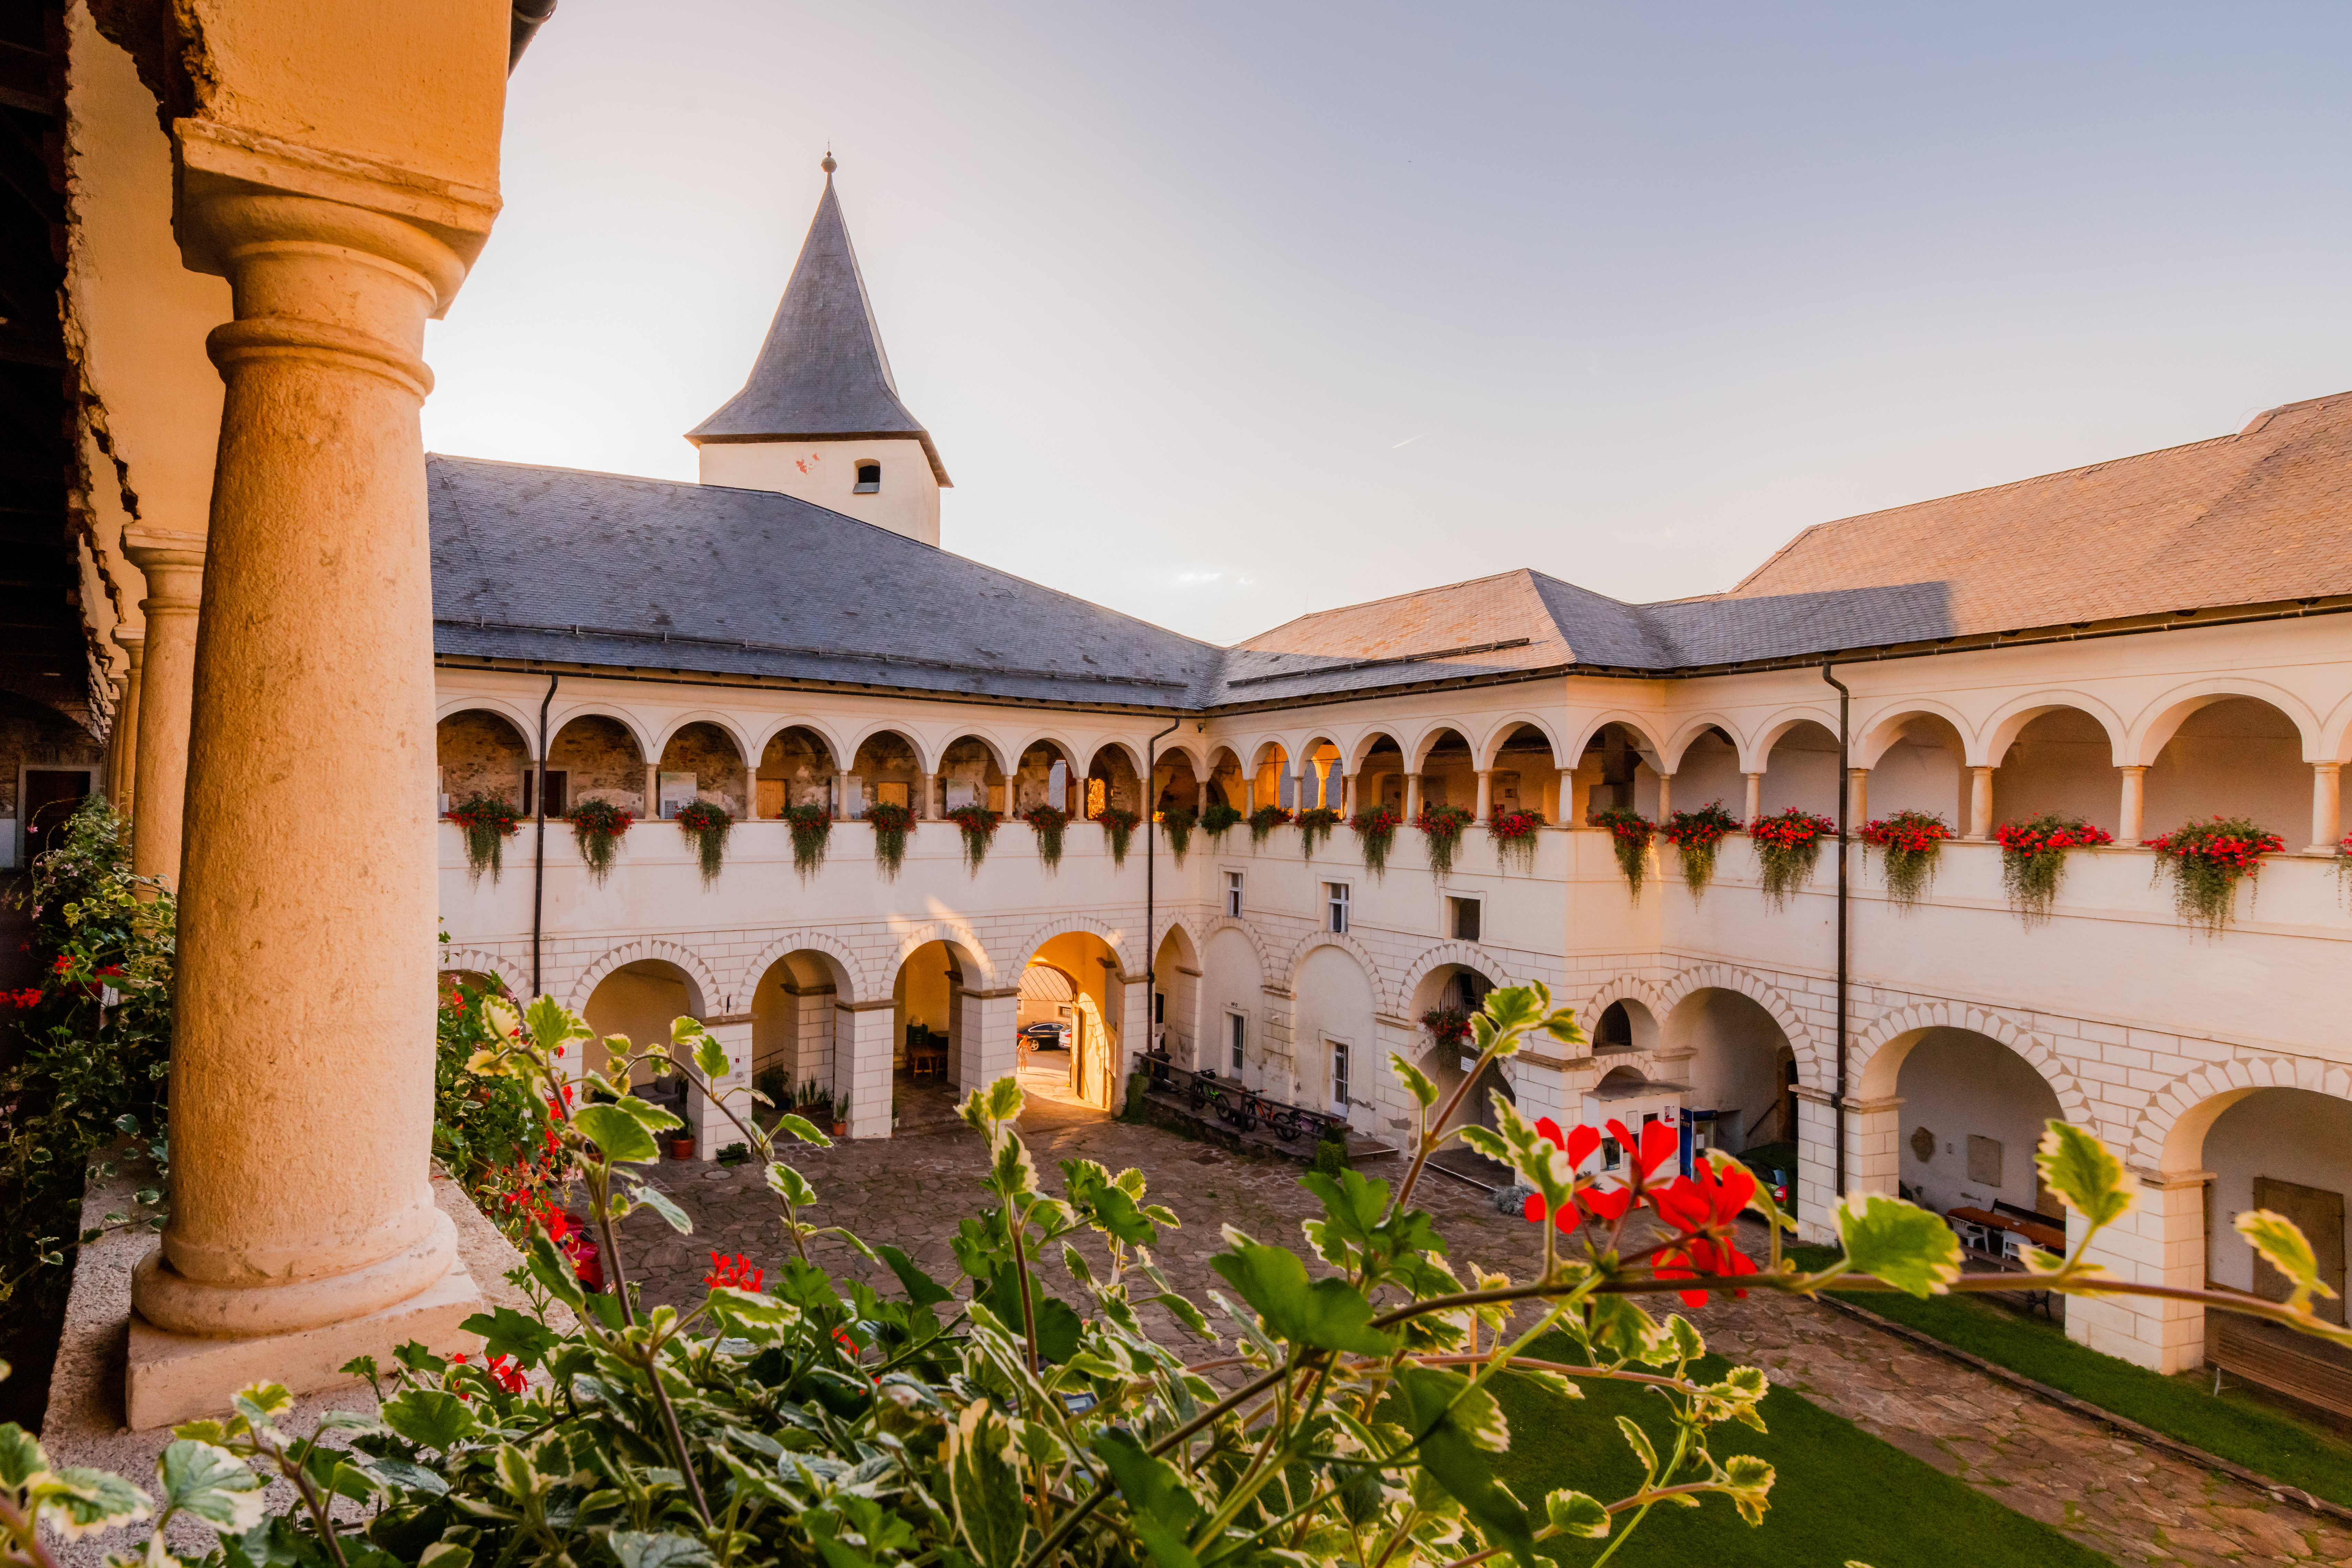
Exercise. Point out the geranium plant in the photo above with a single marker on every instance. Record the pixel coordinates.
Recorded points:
(1787, 847)
(891, 823)
(978, 826)
(1315, 826)
(1907, 845)
(1217, 820)
(705, 824)
(1441, 833)
(1264, 820)
(2206, 861)
(1448, 1025)
(1119, 825)
(1376, 832)
(1696, 835)
(1629, 837)
(811, 827)
(596, 829)
(984, 1422)
(2033, 859)
(1048, 822)
(487, 821)
(1513, 833)
(1180, 821)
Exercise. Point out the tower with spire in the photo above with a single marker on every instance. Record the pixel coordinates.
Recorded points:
(820, 417)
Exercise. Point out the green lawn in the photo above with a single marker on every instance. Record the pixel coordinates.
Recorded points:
(2239, 1426)
(1840, 1495)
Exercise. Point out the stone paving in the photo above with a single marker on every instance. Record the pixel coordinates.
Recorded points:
(2137, 1504)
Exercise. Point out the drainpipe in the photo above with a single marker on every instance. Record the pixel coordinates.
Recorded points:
(538, 850)
(1151, 843)
(1845, 780)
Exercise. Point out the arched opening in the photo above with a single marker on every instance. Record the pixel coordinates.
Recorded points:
(1111, 781)
(1525, 777)
(1380, 773)
(1176, 976)
(2062, 763)
(1801, 770)
(1624, 1025)
(1333, 1035)
(1233, 992)
(935, 1023)
(1270, 781)
(796, 768)
(701, 761)
(1046, 777)
(969, 776)
(887, 771)
(1227, 786)
(1709, 770)
(1448, 775)
(1972, 1116)
(481, 753)
(1620, 770)
(1097, 1061)
(2234, 756)
(1446, 995)
(1925, 770)
(639, 1001)
(1738, 1063)
(793, 1007)
(1174, 785)
(2288, 1151)
(1324, 777)
(599, 759)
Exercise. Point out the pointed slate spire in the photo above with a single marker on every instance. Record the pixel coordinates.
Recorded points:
(822, 374)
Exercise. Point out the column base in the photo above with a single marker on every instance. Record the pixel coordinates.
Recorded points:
(174, 1377)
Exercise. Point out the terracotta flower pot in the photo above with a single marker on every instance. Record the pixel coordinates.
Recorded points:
(681, 1148)
(841, 1129)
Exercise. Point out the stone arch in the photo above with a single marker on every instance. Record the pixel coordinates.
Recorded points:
(1814, 1066)
(1262, 750)
(817, 727)
(1382, 1002)
(481, 961)
(1425, 742)
(1360, 750)
(926, 756)
(1190, 751)
(1072, 753)
(1487, 746)
(1171, 920)
(861, 984)
(1756, 751)
(1872, 1065)
(726, 724)
(954, 932)
(2336, 734)
(1875, 736)
(1464, 954)
(2170, 1132)
(1624, 988)
(2158, 722)
(1118, 939)
(558, 719)
(1690, 730)
(1249, 933)
(1643, 727)
(1990, 745)
(524, 720)
(714, 1001)
(1005, 766)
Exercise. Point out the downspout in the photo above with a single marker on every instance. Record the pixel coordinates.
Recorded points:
(539, 849)
(1846, 786)
(1150, 843)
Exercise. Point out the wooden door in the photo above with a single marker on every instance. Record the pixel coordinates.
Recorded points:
(2319, 1214)
(771, 798)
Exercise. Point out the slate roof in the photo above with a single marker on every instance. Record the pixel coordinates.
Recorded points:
(583, 568)
(822, 371)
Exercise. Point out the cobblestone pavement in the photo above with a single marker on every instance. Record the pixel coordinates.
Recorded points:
(2137, 1504)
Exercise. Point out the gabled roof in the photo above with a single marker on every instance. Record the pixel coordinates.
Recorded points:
(822, 374)
(602, 569)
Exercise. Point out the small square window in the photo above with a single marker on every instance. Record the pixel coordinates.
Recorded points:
(1463, 914)
(1233, 893)
(869, 478)
(1335, 903)
(1237, 1041)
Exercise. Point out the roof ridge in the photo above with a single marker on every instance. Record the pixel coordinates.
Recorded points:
(1367, 604)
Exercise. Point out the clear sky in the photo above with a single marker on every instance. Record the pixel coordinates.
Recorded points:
(1221, 313)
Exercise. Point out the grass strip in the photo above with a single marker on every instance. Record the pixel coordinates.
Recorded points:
(2238, 1425)
(1840, 1495)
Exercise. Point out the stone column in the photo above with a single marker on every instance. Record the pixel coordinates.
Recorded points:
(1485, 805)
(1857, 797)
(2128, 823)
(174, 564)
(845, 794)
(1980, 803)
(712, 1130)
(653, 792)
(2326, 807)
(929, 790)
(1411, 796)
(1347, 787)
(2160, 1241)
(862, 1046)
(1666, 796)
(990, 1049)
(1755, 806)
(1874, 1145)
(303, 1229)
(126, 719)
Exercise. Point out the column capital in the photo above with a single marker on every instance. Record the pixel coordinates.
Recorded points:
(174, 566)
(132, 641)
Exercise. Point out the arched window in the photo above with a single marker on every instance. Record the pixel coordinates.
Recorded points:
(869, 478)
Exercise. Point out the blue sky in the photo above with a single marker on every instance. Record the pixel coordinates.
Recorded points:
(1219, 313)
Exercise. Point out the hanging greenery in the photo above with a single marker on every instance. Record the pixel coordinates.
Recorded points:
(1264, 820)
(1376, 830)
(1906, 843)
(596, 829)
(1441, 831)
(486, 822)
(1315, 826)
(1217, 819)
(891, 823)
(2206, 861)
(1513, 833)
(812, 830)
(2033, 859)
(705, 826)
(1788, 846)
(1450, 1024)
(978, 824)
(1048, 821)
(1119, 825)
(1696, 835)
(1180, 821)
(1629, 834)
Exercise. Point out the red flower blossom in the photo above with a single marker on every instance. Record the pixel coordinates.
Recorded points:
(736, 1271)
(1659, 1142)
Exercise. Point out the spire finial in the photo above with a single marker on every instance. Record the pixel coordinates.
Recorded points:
(828, 166)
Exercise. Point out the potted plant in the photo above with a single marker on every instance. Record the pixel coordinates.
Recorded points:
(2206, 861)
(735, 1153)
(841, 1115)
(487, 821)
(1264, 820)
(1788, 846)
(705, 825)
(1513, 833)
(1375, 831)
(1119, 825)
(1216, 819)
(1048, 822)
(812, 829)
(891, 823)
(681, 1143)
(1906, 843)
(1180, 821)
(978, 824)
(1629, 834)
(2033, 859)
(1696, 835)
(1441, 833)
(596, 829)
(1315, 826)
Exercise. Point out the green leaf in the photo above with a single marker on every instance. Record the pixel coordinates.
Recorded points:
(921, 1289)
(803, 1129)
(659, 1202)
(2086, 1176)
(259, 1402)
(76, 1501)
(429, 1417)
(641, 1549)
(711, 1056)
(1457, 1425)
(1516, 1008)
(1747, 1480)
(983, 1488)
(2284, 1245)
(506, 1331)
(790, 1185)
(1904, 1245)
(21, 1458)
(1573, 1513)
(446, 1554)
(1152, 1487)
(1415, 1080)
(1059, 1327)
(551, 1023)
(211, 1483)
(620, 1135)
(1330, 1314)
(651, 1117)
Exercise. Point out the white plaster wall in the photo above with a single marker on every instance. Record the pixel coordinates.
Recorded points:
(2235, 758)
(1735, 1063)
(2062, 763)
(1955, 1083)
(2286, 1135)
(1922, 772)
(1802, 772)
(1230, 982)
(1709, 770)
(1333, 1001)
(825, 472)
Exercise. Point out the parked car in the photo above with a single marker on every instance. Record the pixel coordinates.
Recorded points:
(1046, 1037)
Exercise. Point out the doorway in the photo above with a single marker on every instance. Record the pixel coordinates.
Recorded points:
(51, 797)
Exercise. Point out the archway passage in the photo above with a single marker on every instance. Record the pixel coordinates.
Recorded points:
(596, 758)
(796, 768)
(794, 1012)
(2061, 764)
(1801, 772)
(1972, 1115)
(1176, 998)
(969, 776)
(1524, 776)
(1446, 998)
(2236, 757)
(1045, 776)
(1111, 781)
(1096, 1063)
(701, 762)
(1175, 786)
(937, 1024)
(639, 1002)
(887, 771)
(481, 752)
(1740, 1066)
(1228, 782)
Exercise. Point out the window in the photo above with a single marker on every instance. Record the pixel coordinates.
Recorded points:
(558, 792)
(1233, 893)
(1338, 1074)
(869, 478)
(1159, 1006)
(1335, 899)
(1462, 914)
(1236, 1037)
